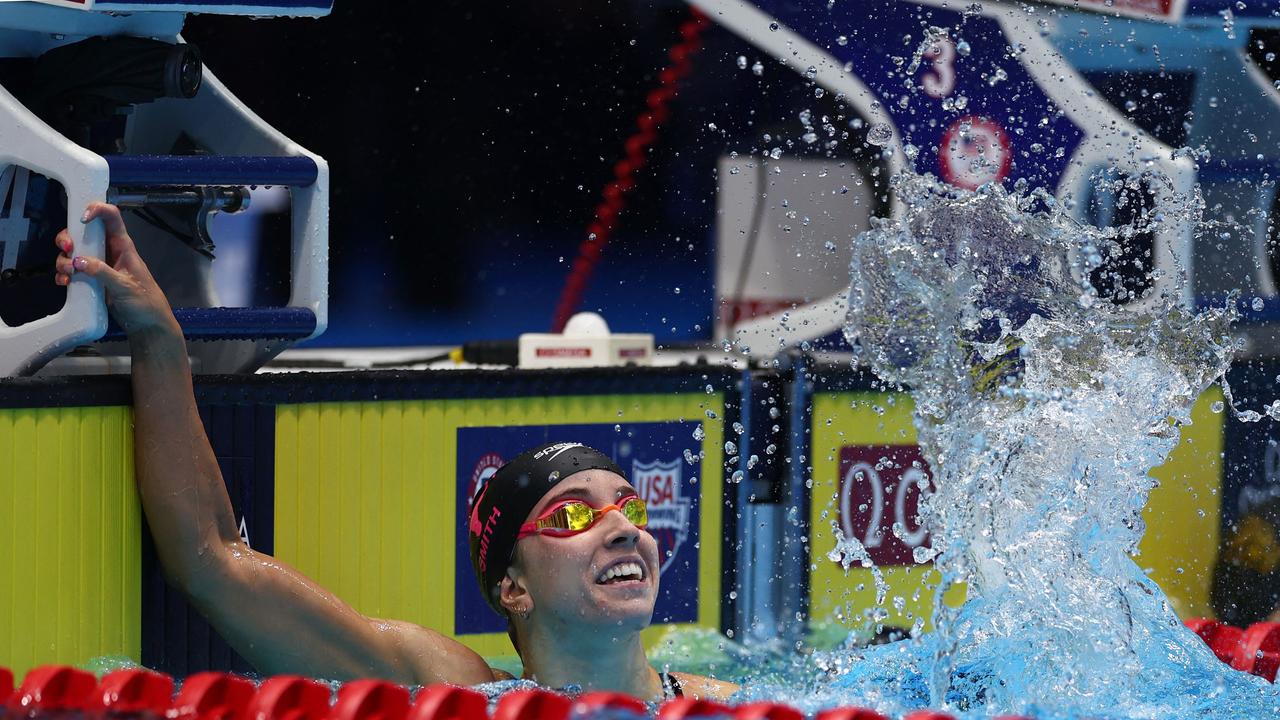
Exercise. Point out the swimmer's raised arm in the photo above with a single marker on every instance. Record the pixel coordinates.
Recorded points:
(275, 617)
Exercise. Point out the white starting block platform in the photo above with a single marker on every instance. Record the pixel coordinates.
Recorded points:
(285, 8)
(188, 147)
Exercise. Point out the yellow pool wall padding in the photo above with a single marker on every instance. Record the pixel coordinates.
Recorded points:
(366, 495)
(70, 568)
(1182, 514)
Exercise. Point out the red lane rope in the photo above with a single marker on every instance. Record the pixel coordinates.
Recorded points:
(613, 198)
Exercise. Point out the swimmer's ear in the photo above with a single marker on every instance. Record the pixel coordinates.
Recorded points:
(513, 595)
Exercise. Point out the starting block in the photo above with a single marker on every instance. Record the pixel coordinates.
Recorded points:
(174, 148)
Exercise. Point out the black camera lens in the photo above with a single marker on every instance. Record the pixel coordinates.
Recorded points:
(183, 72)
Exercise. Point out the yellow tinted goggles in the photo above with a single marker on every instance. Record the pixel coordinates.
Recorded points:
(571, 517)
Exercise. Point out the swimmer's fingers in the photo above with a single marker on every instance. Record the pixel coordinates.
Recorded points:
(135, 300)
(62, 266)
(117, 283)
(119, 244)
(109, 215)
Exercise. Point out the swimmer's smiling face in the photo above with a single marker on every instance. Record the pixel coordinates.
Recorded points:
(605, 577)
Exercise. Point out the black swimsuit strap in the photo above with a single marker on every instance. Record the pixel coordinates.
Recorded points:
(671, 685)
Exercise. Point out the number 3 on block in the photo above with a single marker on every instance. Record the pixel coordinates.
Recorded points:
(940, 81)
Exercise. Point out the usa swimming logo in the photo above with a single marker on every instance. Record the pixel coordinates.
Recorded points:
(660, 485)
(484, 469)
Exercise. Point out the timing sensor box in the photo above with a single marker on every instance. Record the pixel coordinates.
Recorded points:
(540, 350)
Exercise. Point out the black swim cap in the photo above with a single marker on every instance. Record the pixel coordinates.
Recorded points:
(502, 504)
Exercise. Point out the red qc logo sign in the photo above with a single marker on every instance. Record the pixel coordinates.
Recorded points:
(880, 487)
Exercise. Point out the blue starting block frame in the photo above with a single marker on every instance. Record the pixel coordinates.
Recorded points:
(1044, 122)
(243, 151)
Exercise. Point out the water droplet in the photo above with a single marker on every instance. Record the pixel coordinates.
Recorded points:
(742, 62)
(880, 134)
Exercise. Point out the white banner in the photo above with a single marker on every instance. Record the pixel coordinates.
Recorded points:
(1166, 10)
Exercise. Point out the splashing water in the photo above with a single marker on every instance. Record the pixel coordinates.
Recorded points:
(1041, 407)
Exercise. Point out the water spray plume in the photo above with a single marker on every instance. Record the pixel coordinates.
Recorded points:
(1042, 406)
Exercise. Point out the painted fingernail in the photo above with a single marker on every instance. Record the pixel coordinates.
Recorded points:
(79, 263)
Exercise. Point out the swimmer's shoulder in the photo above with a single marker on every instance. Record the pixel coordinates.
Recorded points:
(703, 687)
(430, 657)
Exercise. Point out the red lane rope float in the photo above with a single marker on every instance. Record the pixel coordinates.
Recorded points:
(532, 705)
(766, 711)
(617, 704)
(686, 707)
(53, 688)
(613, 197)
(133, 691)
(850, 713)
(447, 702)
(1221, 638)
(6, 685)
(1259, 652)
(371, 700)
(213, 696)
(1255, 650)
(289, 697)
